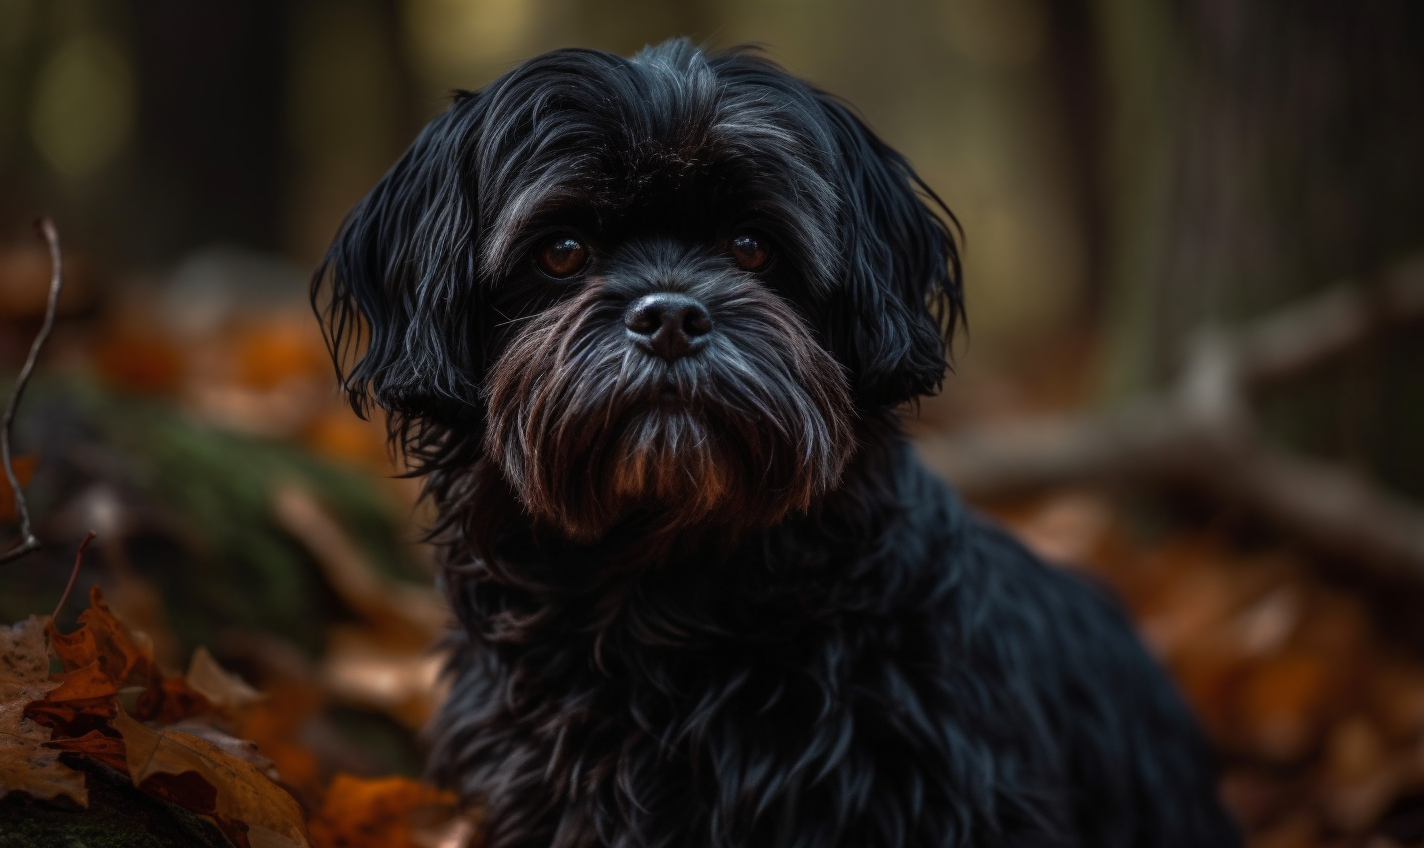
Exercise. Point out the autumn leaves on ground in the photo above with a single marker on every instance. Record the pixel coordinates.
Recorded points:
(1308, 684)
(1322, 722)
(281, 556)
(108, 722)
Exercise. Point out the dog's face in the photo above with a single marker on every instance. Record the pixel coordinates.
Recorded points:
(665, 286)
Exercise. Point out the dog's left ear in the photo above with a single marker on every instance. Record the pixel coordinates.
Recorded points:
(401, 277)
(901, 296)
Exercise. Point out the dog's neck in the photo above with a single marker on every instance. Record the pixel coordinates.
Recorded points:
(732, 582)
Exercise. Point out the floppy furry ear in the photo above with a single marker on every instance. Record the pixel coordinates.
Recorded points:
(901, 295)
(402, 275)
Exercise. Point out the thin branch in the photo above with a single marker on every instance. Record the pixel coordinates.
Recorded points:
(1201, 432)
(1296, 338)
(28, 542)
(74, 573)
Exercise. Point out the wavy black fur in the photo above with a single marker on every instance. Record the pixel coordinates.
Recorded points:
(718, 601)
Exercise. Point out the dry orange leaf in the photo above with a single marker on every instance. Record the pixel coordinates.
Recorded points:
(95, 745)
(338, 434)
(380, 813)
(250, 809)
(1282, 705)
(168, 699)
(269, 353)
(26, 765)
(278, 725)
(244, 749)
(141, 362)
(101, 656)
(401, 682)
(103, 639)
(223, 689)
(211, 774)
(83, 701)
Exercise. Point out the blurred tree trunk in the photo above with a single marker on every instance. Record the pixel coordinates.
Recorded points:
(1259, 152)
(243, 101)
(211, 160)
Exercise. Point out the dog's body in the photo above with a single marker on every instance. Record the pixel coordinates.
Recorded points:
(644, 323)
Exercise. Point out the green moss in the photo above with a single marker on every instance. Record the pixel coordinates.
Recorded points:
(207, 538)
(118, 816)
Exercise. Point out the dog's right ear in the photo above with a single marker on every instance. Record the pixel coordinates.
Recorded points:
(402, 277)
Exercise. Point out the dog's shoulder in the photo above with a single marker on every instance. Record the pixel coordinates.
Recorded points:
(1106, 716)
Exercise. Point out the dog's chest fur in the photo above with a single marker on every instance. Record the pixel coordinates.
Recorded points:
(888, 672)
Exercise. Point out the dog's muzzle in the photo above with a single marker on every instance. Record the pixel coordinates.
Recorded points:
(714, 406)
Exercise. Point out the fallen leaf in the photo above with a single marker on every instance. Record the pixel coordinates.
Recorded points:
(141, 361)
(169, 698)
(24, 656)
(100, 638)
(1300, 829)
(1397, 696)
(84, 700)
(455, 833)
(24, 282)
(414, 616)
(101, 656)
(380, 813)
(1282, 705)
(338, 434)
(1197, 601)
(194, 773)
(1068, 528)
(108, 750)
(1266, 626)
(243, 749)
(270, 353)
(223, 689)
(26, 765)
(1256, 796)
(279, 725)
(399, 681)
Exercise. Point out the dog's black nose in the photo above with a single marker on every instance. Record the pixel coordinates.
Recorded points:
(668, 325)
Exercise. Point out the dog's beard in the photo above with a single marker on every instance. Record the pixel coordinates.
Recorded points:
(590, 430)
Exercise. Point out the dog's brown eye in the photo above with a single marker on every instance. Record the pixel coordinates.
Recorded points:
(750, 252)
(563, 257)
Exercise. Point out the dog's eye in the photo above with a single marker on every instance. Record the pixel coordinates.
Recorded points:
(749, 252)
(562, 257)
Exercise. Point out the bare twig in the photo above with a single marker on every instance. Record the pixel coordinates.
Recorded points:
(28, 542)
(74, 573)
(1201, 432)
(410, 612)
(1294, 339)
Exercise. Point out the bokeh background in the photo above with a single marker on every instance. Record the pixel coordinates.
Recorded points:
(1131, 178)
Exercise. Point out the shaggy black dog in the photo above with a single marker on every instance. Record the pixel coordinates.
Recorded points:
(643, 324)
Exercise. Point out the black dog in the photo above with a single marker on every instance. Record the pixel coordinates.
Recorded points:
(643, 323)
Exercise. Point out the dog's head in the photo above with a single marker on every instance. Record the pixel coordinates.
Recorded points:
(666, 284)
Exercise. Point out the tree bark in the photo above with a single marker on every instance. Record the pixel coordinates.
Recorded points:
(1263, 151)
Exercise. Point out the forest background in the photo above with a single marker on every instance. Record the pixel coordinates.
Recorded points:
(1194, 233)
